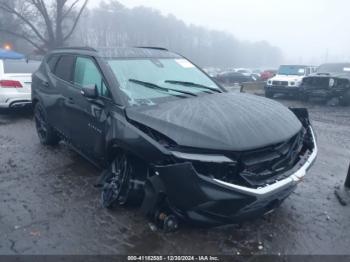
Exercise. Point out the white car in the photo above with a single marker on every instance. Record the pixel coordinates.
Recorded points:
(288, 79)
(15, 82)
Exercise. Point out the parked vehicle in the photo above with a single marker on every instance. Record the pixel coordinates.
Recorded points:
(267, 74)
(212, 71)
(256, 73)
(288, 80)
(15, 80)
(169, 137)
(330, 81)
(244, 71)
(233, 78)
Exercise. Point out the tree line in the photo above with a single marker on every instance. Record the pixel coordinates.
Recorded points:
(42, 25)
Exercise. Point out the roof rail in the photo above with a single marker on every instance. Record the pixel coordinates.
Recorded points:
(153, 47)
(87, 48)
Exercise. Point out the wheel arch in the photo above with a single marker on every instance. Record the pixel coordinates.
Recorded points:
(114, 147)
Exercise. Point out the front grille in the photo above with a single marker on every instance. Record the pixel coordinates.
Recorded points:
(280, 83)
(261, 167)
(316, 82)
(265, 166)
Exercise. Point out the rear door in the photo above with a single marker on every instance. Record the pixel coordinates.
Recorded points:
(60, 84)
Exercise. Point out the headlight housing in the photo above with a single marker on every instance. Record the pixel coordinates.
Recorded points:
(331, 82)
(203, 157)
(269, 82)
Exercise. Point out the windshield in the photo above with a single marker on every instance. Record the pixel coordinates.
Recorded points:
(166, 76)
(291, 70)
(334, 68)
(20, 66)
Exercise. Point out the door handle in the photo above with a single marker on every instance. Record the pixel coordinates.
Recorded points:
(71, 100)
(45, 84)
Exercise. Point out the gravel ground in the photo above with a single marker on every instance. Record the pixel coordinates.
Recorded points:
(48, 204)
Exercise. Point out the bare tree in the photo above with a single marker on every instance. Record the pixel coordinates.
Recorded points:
(44, 24)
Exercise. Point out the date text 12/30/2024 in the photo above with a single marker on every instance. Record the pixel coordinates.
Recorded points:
(173, 258)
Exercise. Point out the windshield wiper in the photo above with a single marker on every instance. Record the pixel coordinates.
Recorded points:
(175, 82)
(157, 87)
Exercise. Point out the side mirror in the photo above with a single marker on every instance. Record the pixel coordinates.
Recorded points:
(89, 91)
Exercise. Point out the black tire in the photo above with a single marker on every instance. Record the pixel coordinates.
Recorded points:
(46, 134)
(345, 100)
(269, 94)
(121, 182)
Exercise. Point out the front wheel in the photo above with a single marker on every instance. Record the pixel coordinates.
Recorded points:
(46, 134)
(122, 182)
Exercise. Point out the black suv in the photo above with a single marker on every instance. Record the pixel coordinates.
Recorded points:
(330, 81)
(169, 137)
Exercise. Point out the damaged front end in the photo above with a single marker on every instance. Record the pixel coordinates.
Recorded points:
(214, 188)
(327, 87)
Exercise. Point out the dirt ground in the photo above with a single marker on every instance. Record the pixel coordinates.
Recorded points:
(48, 204)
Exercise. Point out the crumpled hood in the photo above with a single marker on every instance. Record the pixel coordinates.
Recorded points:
(226, 121)
(294, 78)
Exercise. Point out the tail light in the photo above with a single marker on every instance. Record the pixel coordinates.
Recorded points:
(10, 84)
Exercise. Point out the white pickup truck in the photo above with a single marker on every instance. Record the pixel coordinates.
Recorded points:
(288, 80)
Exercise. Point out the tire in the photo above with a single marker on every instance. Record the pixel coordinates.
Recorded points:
(345, 100)
(269, 94)
(121, 182)
(45, 132)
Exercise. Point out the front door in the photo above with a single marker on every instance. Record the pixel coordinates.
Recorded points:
(88, 116)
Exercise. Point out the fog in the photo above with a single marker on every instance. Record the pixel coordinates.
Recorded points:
(306, 31)
(220, 33)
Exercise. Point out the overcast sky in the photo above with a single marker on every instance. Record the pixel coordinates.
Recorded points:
(303, 29)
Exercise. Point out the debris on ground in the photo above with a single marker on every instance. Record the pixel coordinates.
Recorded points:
(153, 227)
(35, 233)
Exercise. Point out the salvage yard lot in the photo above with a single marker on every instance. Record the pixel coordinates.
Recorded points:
(48, 204)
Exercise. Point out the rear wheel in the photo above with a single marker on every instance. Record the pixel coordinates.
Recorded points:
(345, 100)
(46, 134)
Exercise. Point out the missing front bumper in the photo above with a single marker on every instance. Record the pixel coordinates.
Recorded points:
(206, 200)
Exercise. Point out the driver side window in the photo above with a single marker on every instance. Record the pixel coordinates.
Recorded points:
(86, 73)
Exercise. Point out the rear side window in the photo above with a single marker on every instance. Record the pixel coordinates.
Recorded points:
(20, 66)
(64, 67)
